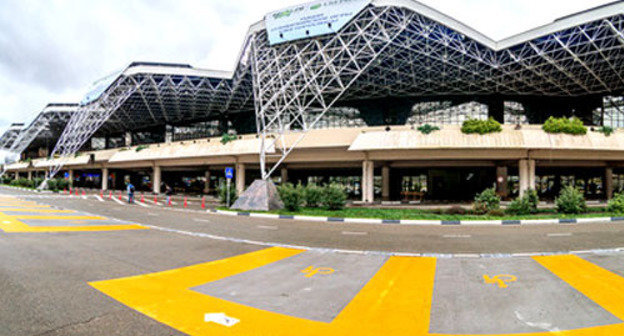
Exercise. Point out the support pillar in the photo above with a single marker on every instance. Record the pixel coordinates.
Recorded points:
(368, 181)
(385, 183)
(156, 179)
(207, 184)
(104, 178)
(608, 183)
(526, 169)
(17, 175)
(284, 175)
(128, 139)
(30, 175)
(71, 177)
(240, 178)
(501, 182)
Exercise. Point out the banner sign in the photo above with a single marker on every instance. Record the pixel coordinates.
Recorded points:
(311, 19)
(98, 87)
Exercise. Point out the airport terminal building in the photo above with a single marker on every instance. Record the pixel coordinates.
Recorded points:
(336, 91)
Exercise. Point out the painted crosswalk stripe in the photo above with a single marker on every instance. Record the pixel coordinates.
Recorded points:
(456, 236)
(118, 201)
(267, 227)
(559, 234)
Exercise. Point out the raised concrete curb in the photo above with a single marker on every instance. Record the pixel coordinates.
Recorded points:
(422, 222)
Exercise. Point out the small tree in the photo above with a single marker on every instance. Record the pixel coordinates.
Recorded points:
(616, 204)
(571, 201)
(486, 201)
(313, 195)
(291, 196)
(223, 192)
(334, 197)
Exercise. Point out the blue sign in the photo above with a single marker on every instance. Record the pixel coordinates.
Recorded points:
(229, 173)
(312, 19)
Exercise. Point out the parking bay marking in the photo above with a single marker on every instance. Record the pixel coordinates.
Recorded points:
(354, 233)
(566, 234)
(456, 236)
(267, 227)
(396, 300)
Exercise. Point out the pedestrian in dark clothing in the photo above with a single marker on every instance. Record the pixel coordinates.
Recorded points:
(130, 189)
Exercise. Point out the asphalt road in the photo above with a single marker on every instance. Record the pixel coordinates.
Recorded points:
(50, 281)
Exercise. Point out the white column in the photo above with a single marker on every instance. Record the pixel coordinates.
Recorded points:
(17, 175)
(240, 178)
(207, 185)
(367, 181)
(71, 177)
(526, 170)
(104, 178)
(385, 183)
(30, 176)
(156, 178)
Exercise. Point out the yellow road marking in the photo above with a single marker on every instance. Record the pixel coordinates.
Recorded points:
(600, 285)
(36, 210)
(501, 280)
(11, 224)
(396, 301)
(311, 271)
(60, 217)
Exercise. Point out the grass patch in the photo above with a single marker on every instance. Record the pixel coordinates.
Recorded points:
(416, 214)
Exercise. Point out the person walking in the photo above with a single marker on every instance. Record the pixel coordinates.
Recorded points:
(130, 189)
(168, 193)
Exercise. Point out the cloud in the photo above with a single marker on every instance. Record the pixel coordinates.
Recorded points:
(52, 50)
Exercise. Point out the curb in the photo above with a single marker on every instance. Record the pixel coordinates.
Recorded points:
(422, 222)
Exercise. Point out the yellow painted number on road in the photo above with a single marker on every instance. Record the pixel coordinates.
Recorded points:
(501, 280)
(312, 271)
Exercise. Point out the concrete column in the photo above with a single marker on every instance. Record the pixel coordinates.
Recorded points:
(608, 183)
(156, 178)
(104, 178)
(368, 181)
(526, 170)
(501, 181)
(284, 174)
(30, 175)
(385, 183)
(17, 175)
(207, 184)
(128, 138)
(240, 178)
(71, 177)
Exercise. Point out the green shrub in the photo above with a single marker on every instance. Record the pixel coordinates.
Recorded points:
(52, 185)
(524, 205)
(496, 213)
(37, 181)
(571, 201)
(472, 126)
(62, 184)
(572, 126)
(223, 192)
(141, 147)
(428, 129)
(334, 196)
(616, 204)
(486, 201)
(313, 196)
(14, 183)
(225, 138)
(455, 210)
(606, 130)
(291, 196)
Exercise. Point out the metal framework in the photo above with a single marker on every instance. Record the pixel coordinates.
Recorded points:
(146, 95)
(390, 49)
(394, 51)
(8, 138)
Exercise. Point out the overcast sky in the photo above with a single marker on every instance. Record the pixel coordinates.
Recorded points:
(52, 50)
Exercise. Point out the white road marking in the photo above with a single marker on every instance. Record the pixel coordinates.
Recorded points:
(142, 204)
(118, 201)
(152, 214)
(99, 198)
(354, 233)
(456, 236)
(202, 220)
(221, 318)
(559, 234)
(267, 227)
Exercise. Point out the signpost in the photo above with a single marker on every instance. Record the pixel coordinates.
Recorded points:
(229, 174)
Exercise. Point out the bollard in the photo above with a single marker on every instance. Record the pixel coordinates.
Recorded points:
(204, 202)
(84, 193)
(185, 204)
(110, 195)
(142, 198)
(76, 191)
(155, 199)
(120, 195)
(64, 191)
(169, 201)
(102, 194)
